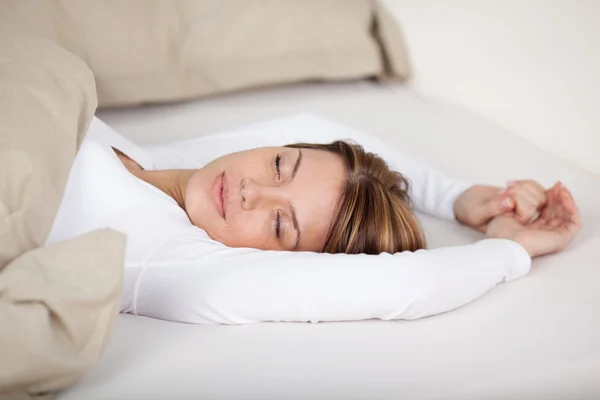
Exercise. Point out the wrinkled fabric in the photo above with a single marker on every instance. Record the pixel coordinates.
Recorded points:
(47, 100)
(57, 303)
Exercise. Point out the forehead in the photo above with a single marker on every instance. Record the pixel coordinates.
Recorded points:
(316, 191)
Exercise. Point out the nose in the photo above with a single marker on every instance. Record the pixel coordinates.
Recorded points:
(255, 194)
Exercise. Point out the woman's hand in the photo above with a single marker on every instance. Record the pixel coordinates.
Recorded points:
(529, 197)
(479, 204)
(558, 223)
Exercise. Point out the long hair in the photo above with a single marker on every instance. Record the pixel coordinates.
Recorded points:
(374, 213)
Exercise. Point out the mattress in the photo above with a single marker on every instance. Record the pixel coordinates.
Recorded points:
(536, 338)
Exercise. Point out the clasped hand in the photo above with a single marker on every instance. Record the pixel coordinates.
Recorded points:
(542, 221)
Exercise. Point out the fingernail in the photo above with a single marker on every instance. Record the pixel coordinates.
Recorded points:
(502, 190)
(507, 203)
(511, 183)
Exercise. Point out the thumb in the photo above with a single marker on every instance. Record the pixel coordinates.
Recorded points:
(497, 205)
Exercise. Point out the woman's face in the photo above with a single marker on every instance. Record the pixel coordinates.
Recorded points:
(271, 198)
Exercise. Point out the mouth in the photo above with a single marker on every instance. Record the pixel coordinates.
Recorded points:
(219, 194)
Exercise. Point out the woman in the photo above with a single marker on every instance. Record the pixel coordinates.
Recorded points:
(196, 216)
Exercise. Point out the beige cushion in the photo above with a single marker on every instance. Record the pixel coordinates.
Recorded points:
(155, 51)
(394, 53)
(57, 303)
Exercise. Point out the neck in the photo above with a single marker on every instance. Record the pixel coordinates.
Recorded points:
(171, 181)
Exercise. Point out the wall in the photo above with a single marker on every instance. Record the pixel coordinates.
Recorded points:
(530, 65)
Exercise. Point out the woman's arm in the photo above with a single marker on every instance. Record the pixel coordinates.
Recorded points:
(202, 281)
(215, 284)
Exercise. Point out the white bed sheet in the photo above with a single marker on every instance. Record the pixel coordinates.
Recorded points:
(537, 338)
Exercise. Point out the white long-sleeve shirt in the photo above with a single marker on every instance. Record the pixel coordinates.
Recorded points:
(174, 271)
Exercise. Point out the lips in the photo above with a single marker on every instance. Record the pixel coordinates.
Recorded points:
(219, 194)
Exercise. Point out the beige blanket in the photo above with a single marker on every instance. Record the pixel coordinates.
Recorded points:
(57, 303)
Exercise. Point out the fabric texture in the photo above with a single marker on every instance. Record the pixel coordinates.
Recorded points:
(47, 99)
(396, 63)
(57, 303)
(158, 51)
(57, 307)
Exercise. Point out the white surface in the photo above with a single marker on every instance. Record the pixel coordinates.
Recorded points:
(531, 65)
(536, 338)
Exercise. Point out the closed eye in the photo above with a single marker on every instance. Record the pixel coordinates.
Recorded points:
(277, 222)
(278, 226)
(277, 166)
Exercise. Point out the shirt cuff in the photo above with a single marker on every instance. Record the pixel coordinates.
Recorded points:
(458, 189)
(518, 261)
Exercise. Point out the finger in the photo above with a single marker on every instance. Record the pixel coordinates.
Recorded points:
(547, 212)
(568, 201)
(565, 209)
(533, 189)
(553, 201)
(536, 190)
(536, 186)
(551, 193)
(569, 214)
(563, 203)
(501, 204)
(570, 206)
(523, 193)
(525, 210)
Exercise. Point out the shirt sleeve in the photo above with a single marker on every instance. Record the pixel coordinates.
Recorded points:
(431, 191)
(222, 285)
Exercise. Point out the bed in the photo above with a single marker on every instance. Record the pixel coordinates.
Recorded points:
(538, 337)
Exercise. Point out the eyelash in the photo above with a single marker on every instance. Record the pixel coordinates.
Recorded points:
(278, 225)
(277, 162)
(278, 219)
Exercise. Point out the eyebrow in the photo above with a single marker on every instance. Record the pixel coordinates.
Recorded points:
(292, 209)
(297, 165)
(296, 225)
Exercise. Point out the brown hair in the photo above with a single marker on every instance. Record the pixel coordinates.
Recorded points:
(374, 211)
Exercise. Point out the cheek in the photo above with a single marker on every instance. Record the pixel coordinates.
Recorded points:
(245, 229)
(197, 203)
